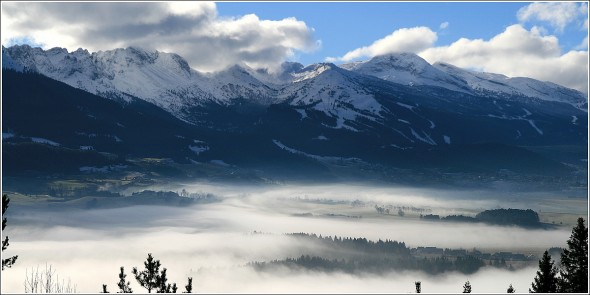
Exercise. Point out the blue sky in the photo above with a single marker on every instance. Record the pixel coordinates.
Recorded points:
(546, 41)
(347, 25)
(344, 26)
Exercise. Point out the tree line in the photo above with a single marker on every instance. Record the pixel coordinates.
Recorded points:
(525, 218)
(353, 255)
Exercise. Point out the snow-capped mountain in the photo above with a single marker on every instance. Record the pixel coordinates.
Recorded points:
(407, 69)
(238, 82)
(393, 110)
(410, 69)
(8, 63)
(489, 84)
(333, 91)
(164, 79)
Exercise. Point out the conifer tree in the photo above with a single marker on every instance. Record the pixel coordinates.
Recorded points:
(546, 279)
(418, 286)
(574, 261)
(104, 289)
(148, 278)
(163, 286)
(8, 262)
(123, 284)
(510, 289)
(189, 287)
(467, 287)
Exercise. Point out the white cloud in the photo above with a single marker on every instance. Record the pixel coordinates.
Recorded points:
(444, 25)
(558, 14)
(191, 29)
(517, 52)
(583, 45)
(403, 40)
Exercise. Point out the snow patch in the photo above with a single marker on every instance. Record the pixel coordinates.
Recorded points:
(315, 157)
(117, 139)
(322, 137)
(103, 169)
(7, 135)
(432, 125)
(340, 124)
(86, 148)
(527, 112)
(399, 147)
(302, 113)
(407, 106)
(220, 163)
(535, 126)
(198, 149)
(574, 120)
(447, 139)
(45, 141)
(403, 121)
(425, 139)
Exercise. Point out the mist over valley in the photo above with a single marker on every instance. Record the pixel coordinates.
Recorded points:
(232, 148)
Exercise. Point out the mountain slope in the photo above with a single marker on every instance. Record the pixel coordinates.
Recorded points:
(494, 84)
(66, 117)
(407, 69)
(410, 69)
(151, 104)
(164, 79)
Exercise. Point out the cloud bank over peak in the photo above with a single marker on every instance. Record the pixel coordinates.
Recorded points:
(515, 52)
(403, 40)
(192, 29)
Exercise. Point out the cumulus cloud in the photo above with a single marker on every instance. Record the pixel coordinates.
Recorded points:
(517, 52)
(192, 29)
(444, 25)
(558, 14)
(403, 40)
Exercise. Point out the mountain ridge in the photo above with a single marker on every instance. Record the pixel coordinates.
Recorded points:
(322, 113)
(112, 68)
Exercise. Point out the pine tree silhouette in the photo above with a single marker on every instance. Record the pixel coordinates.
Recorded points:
(467, 287)
(510, 289)
(123, 284)
(148, 278)
(189, 287)
(8, 262)
(574, 261)
(546, 279)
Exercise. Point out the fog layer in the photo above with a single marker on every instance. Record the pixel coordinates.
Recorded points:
(213, 242)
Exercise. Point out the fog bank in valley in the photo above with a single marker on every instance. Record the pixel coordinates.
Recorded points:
(214, 242)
